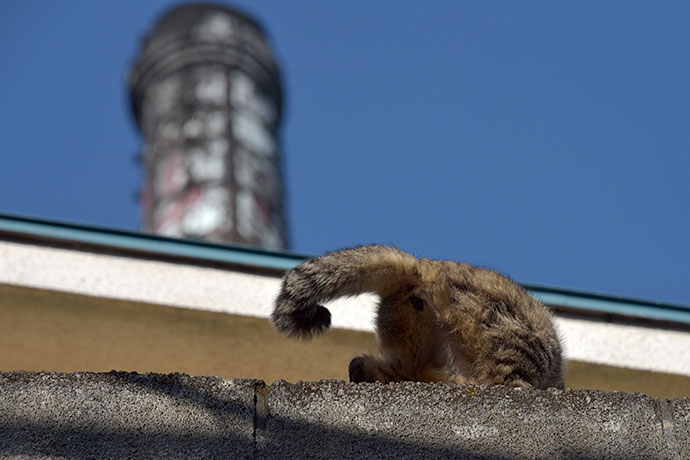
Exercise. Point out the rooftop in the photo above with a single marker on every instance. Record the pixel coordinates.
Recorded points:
(18, 228)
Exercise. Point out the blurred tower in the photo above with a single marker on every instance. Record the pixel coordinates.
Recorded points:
(206, 95)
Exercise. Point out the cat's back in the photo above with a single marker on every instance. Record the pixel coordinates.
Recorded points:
(499, 326)
(455, 283)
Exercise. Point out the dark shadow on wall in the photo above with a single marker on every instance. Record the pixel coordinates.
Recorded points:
(51, 441)
(236, 435)
(27, 439)
(192, 417)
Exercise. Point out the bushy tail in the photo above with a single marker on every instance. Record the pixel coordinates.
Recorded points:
(376, 269)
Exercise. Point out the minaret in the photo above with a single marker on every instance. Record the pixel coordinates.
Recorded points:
(206, 95)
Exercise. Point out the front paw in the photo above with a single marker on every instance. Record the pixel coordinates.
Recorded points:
(356, 370)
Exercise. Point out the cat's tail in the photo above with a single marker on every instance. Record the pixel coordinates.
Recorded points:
(381, 270)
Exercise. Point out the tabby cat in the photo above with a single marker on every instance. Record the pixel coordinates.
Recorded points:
(436, 321)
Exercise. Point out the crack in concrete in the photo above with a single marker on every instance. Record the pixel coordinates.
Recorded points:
(667, 425)
(260, 409)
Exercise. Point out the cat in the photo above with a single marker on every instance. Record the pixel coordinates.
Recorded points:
(436, 321)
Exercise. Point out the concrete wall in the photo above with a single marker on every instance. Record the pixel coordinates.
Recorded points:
(121, 415)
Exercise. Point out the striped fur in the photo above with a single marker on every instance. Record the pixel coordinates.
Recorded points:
(436, 320)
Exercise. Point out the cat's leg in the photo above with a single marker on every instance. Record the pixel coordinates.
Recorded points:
(411, 346)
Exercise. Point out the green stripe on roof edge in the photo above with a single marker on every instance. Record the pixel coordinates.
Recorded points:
(148, 242)
(284, 260)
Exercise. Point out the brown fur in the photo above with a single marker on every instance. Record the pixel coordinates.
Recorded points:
(436, 320)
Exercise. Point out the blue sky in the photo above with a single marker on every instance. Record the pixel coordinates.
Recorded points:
(548, 140)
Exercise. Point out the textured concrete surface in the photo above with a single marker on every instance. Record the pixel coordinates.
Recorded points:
(122, 415)
(677, 423)
(435, 421)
